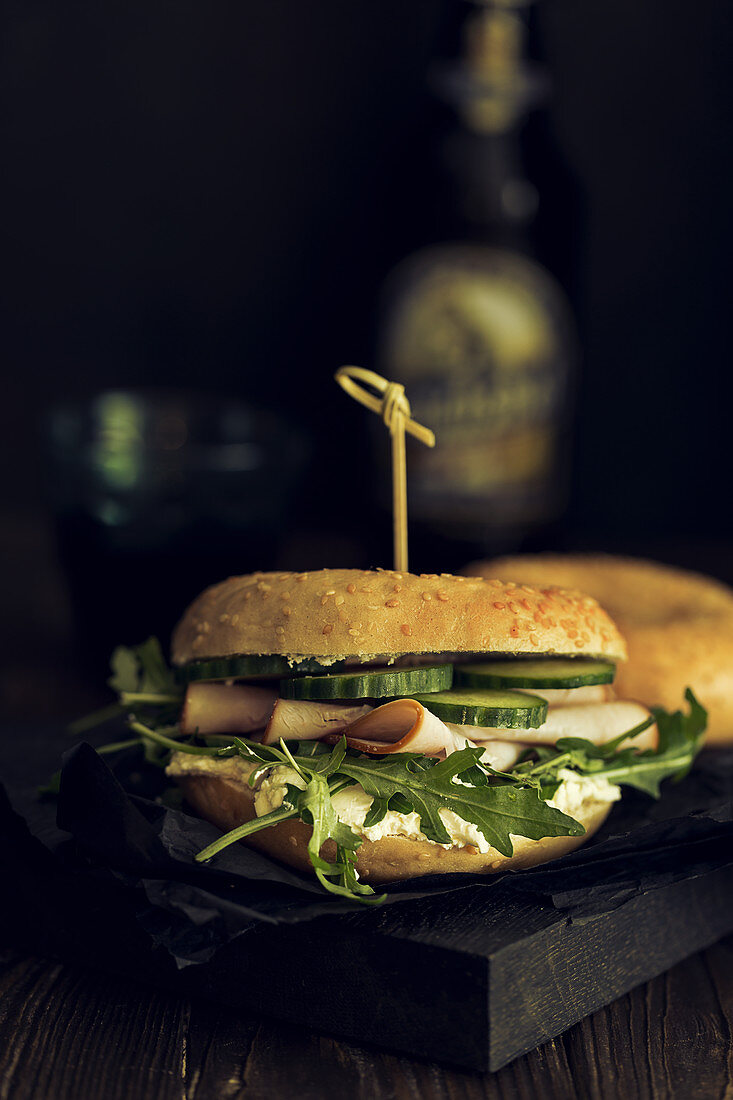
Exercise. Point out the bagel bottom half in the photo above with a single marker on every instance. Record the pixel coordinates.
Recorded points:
(227, 802)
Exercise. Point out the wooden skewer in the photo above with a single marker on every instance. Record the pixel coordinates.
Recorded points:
(391, 403)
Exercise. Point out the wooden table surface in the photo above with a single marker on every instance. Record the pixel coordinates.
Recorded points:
(71, 1034)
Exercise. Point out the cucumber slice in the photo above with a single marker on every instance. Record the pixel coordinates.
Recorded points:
(487, 707)
(550, 672)
(249, 666)
(373, 683)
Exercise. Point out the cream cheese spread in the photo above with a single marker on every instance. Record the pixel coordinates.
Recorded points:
(576, 794)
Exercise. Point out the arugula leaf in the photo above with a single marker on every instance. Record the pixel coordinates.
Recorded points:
(498, 810)
(314, 806)
(283, 813)
(142, 669)
(96, 718)
(680, 738)
(170, 744)
(144, 684)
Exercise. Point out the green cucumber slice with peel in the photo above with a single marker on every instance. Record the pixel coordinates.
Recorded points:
(372, 683)
(550, 672)
(250, 666)
(486, 707)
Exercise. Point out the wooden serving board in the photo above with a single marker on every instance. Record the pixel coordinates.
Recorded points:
(473, 978)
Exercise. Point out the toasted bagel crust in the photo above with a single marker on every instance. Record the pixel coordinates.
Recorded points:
(336, 613)
(228, 802)
(678, 625)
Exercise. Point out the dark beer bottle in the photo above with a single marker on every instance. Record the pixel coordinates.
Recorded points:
(477, 330)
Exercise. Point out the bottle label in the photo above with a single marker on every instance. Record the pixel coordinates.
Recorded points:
(482, 340)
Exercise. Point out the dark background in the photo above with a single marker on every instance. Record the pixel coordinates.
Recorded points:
(210, 195)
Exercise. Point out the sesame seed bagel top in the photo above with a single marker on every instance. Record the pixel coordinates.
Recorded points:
(338, 613)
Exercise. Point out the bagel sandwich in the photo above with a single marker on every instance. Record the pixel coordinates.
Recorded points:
(372, 726)
(678, 624)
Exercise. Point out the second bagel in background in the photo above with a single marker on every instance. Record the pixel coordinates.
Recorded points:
(678, 625)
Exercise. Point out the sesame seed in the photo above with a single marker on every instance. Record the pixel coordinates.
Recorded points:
(406, 628)
(324, 601)
(330, 592)
(499, 606)
(537, 617)
(513, 608)
(527, 588)
(543, 606)
(287, 611)
(578, 643)
(446, 574)
(426, 596)
(235, 620)
(392, 603)
(327, 628)
(397, 588)
(495, 584)
(342, 616)
(511, 584)
(534, 639)
(284, 595)
(223, 617)
(279, 629)
(248, 595)
(397, 576)
(284, 576)
(301, 577)
(442, 596)
(339, 600)
(351, 589)
(354, 633)
(525, 604)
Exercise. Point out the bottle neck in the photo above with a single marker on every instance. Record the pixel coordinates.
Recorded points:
(496, 201)
(491, 88)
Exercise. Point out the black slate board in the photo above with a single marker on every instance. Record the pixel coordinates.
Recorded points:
(474, 977)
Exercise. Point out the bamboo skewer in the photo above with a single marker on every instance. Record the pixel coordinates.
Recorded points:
(390, 402)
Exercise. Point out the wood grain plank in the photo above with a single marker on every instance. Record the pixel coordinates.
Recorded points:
(218, 1041)
(77, 1035)
(719, 964)
(71, 1034)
